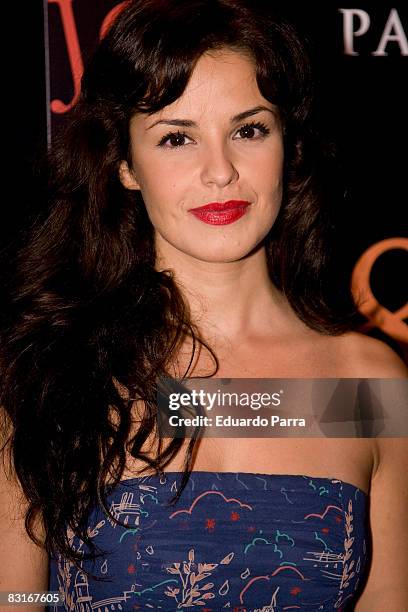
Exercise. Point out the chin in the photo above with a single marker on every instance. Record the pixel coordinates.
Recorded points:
(210, 250)
(222, 255)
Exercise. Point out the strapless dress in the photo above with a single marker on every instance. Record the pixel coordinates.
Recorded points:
(242, 542)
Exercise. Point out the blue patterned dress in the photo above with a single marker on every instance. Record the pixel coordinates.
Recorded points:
(234, 541)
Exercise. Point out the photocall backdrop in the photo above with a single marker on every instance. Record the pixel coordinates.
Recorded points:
(360, 55)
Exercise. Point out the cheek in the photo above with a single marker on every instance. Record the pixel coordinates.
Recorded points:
(266, 177)
(267, 164)
(161, 198)
(158, 176)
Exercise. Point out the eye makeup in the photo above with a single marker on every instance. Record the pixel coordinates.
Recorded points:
(175, 137)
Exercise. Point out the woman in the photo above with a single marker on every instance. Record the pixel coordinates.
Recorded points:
(186, 236)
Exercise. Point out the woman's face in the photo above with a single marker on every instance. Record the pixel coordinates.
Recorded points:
(220, 144)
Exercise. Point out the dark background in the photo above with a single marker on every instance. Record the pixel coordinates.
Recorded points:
(363, 105)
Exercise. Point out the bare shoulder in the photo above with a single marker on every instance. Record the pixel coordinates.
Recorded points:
(367, 357)
(387, 587)
(23, 564)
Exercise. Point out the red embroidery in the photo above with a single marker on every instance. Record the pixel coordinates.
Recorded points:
(210, 524)
(295, 591)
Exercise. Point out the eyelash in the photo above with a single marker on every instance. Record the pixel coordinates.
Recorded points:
(253, 124)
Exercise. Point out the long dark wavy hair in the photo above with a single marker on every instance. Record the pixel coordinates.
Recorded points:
(85, 308)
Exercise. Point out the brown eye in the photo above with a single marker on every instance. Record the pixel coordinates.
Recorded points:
(252, 131)
(174, 140)
(248, 131)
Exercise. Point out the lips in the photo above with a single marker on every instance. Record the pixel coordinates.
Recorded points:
(221, 213)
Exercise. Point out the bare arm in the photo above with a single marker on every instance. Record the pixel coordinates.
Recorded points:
(387, 584)
(23, 565)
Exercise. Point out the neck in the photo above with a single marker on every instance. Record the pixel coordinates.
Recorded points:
(228, 300)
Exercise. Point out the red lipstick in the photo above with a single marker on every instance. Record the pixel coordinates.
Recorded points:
(221, 213)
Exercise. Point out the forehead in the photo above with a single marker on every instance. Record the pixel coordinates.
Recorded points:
(222, 81)
(227, 70)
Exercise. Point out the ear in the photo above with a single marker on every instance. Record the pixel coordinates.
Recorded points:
(126, 176)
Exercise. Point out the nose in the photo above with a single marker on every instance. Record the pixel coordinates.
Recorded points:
(218, 168)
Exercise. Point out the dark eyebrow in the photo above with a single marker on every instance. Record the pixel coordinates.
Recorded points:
(235, 119)
(250, 113)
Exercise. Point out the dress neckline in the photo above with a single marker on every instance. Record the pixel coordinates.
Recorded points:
(146, 477)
